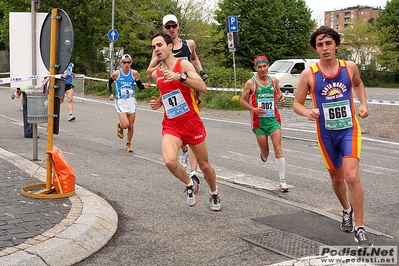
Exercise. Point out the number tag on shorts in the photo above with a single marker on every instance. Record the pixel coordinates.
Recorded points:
(337, 115)
(174, 104)
(268, 106)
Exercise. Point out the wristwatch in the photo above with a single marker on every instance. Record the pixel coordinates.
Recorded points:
(183, 77)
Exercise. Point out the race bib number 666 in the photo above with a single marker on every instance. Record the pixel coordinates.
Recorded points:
(337, 115)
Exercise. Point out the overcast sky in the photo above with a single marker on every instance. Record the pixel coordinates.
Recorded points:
(319, 7)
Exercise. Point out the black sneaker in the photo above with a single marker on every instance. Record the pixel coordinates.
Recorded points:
(347, 221)
(196, 181)
(361, 238)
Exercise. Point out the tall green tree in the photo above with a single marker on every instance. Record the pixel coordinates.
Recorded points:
(361, 40)
(7, 6)
(91, 21)
(388, 36)
(139, 20)
(277, 29)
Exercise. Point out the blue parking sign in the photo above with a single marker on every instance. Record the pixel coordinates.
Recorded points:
(233, 23)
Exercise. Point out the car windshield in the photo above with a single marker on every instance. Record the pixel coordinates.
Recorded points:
(280, 67)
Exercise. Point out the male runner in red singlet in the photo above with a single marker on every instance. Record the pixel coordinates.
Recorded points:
(329, 82)
(178, 82)
(184, 49)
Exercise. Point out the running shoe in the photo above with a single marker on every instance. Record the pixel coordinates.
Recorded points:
(264, 159)
(119, 131)
(214, 201)
(361, 238)
(347, 222)
(184, 158)
(195, 182)
(283, 186)
(71, 117)
(192, 199)
(128, 148)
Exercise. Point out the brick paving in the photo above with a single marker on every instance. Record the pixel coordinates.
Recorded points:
(22, 217)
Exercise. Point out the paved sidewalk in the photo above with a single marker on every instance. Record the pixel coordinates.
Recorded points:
(48, 231)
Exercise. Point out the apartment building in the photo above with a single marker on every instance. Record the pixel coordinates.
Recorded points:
(339, 19)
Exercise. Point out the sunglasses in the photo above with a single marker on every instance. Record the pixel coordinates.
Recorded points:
(171, 26)
(126, 62)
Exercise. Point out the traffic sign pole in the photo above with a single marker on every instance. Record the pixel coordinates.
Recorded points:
(232, 28)
(111, 49)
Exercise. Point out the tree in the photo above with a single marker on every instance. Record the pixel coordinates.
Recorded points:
(5, 8)
(141, 20)
(360, 40)
(89, 21)
(277, 29)
(388, 36)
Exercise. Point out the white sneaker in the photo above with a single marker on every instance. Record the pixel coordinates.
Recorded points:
(214, 201)
(283, 186)
(184, 158)
(196, 181)
(192, 199)
(193, 173)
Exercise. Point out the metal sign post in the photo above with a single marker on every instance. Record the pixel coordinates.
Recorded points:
(232, 27)
(111, 36)
(56, 51)
(34, 71)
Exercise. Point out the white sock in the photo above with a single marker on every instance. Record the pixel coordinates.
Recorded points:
(213, 193)
(280, 163)
(348, 210)
(190, 184)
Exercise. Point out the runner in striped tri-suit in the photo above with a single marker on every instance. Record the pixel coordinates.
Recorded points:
(329, 82)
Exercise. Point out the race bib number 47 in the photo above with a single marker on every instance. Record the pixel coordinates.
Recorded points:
(174, 104)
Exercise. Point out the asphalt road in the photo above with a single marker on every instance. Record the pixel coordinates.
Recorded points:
(156, 227)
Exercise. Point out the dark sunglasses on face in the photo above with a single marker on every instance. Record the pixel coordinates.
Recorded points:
(171, 26)
(125, 62)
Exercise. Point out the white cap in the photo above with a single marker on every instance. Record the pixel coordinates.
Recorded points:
(168, 18)
(126, 56)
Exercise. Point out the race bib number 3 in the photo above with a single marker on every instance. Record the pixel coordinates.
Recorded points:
(174, 104)
(268, 106)
(337, 115)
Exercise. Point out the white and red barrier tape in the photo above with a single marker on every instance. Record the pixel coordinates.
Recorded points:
(291, 95)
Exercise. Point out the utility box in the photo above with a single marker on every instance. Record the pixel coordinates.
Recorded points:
(37, 106)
